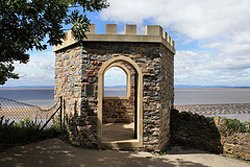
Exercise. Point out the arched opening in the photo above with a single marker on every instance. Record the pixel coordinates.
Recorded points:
(124, 112)
(119, 103)
(115, 82)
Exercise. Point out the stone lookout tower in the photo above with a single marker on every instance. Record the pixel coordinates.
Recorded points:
(139, 119)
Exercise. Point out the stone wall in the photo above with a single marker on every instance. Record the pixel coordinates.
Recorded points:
(235, 137)
(68, 82)
(195, 131)
(118, 110)
(68, 78)
(237, 145)
(167, 96)
(158, 98)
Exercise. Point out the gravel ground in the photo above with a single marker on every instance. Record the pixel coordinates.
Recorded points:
(57, 153)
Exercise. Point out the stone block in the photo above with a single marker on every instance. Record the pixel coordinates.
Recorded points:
(154, 30)
(91, 29)
(111, 28)
(130, 29)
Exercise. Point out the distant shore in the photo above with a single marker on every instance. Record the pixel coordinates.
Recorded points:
(3, 88)
(122, 88)
(211, 89)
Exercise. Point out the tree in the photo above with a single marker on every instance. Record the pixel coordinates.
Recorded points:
(25, 24)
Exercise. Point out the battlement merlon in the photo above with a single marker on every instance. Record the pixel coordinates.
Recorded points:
(153, 34)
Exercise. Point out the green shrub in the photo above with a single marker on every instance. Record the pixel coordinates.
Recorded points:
(27, 123)
(234, 125)
(23, 132)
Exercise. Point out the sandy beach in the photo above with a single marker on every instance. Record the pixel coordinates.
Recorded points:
(239, 111)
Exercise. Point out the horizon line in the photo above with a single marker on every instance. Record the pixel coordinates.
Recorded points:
(122, 86)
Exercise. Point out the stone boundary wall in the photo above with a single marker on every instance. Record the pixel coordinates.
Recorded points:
(237, 145)
(195, 131)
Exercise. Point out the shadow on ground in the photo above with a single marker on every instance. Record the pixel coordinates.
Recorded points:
(56, 153)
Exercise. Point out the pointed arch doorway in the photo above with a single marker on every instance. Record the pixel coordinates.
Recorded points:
(123, 111)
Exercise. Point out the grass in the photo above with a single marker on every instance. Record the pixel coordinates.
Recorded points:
(24, 132)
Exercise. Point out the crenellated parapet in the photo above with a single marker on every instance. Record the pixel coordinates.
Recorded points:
(153, 34)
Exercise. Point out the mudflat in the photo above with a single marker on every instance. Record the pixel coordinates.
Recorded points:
(57, 153)
(239, 111)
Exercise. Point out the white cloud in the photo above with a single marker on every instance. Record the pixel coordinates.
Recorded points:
(220, 31)
(212, 39)
(196, 18)
(204, 69)
(39, 71)
(115, 76)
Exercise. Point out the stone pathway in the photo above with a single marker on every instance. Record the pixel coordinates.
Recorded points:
(57, 153)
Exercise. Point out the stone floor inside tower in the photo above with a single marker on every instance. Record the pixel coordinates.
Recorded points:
(113, 132)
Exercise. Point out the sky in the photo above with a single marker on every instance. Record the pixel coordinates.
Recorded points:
(117, 74)
(212, 40)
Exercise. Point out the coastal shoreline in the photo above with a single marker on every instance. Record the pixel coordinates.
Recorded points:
(212, 89)
(3, 88)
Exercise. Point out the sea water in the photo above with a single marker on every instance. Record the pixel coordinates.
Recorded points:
(39, 97)
(45, 97)
(212, 96)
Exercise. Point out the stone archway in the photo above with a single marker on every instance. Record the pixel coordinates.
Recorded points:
(116, 61)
